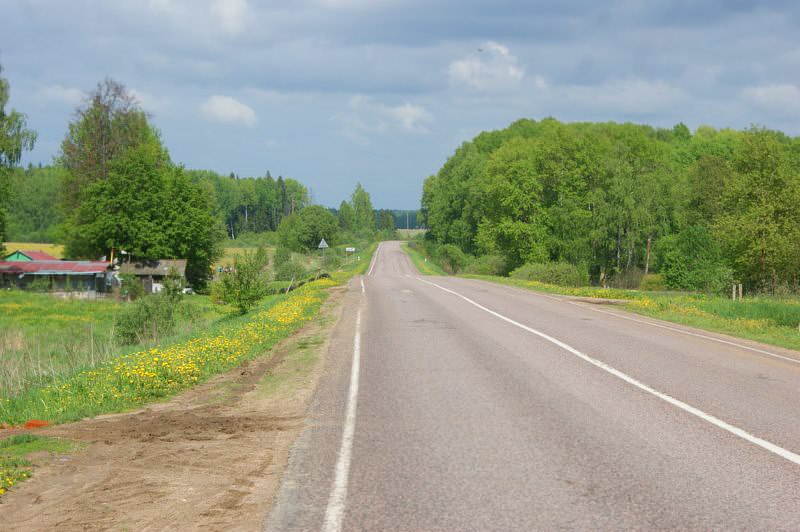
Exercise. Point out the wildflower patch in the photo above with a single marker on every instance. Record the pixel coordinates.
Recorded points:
(144, 376)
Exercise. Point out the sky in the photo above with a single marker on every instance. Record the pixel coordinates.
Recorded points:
(382, 92)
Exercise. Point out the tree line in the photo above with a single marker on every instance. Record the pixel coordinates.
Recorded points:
(618, 201)
(113, 186)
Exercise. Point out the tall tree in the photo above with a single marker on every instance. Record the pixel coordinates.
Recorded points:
(363, 215)
(105, 125)
(15, 138)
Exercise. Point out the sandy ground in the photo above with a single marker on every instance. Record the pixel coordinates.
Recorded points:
(210, 458)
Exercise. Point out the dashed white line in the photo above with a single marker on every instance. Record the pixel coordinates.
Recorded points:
(363, 288)
(771, 447)
(334, 513)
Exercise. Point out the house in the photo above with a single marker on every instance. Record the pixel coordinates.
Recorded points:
(23, 255)
(152, 273)
(88, 277)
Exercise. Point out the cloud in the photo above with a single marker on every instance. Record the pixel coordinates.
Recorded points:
(365, 118)
(59, 93)
(232, 15)
(491, 67)
(775, 97)
(150, 102)
(228, 111)
(634, 96)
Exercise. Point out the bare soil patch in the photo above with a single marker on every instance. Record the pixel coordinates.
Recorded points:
(210, 458)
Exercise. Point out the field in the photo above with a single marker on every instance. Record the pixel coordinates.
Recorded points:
(765, 319)
(42, 337)
(55, 250)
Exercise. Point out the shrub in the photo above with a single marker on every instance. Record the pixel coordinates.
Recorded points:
(451, 258)
(146, 320)
(692, 260)
(289, 270)
(557, 273)
(246, 285)
(652, 282)
(487, 265)
(130, 288)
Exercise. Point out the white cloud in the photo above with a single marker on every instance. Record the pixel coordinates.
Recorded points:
(775, 97)
(365, 118)
(634, 96)
(59, 93)
(228, 111)
(150, 102)
(491, 67)
(232, 15)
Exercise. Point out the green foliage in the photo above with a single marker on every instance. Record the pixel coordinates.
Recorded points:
(146, 320)
(487, 265)
(32, 212)
(15, 138)
(652, 282)
(363, 216)
(289, 270)
(604, 196)
(554, 273)
(451, 258)
(692, 260)
(130, 287)
(246, 285)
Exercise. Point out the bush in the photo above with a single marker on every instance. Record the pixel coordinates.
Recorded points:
(652, 282)
(331, 261)
(130, 288)
(692, 260)
(487, 265)
(556, 273)
(147, 319)
(289, 270)
(451, 258)
(246, 285)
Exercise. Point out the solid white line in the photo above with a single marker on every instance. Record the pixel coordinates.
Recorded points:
(374, 259)
(336, 503)
(780, 451)
(588, 306)
(363, 289)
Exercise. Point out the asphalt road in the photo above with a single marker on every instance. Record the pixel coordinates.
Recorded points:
(476, 406)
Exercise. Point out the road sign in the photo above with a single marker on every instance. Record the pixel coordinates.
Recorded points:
(322, 244)
(350, 250)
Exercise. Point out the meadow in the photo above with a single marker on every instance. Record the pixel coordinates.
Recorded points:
(44, 337)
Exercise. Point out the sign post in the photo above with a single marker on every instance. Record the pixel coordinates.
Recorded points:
(323, 246)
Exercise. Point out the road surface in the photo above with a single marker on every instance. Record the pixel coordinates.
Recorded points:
(475, 406)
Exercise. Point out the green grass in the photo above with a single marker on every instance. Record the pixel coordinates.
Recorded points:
(423, 265)
(764, 319)
(14, 465)
(136, 377)
(43, 337)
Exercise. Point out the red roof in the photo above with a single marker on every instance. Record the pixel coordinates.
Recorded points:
(37, 255)
(56, 267)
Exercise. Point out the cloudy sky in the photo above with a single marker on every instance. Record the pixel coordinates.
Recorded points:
(382, 91)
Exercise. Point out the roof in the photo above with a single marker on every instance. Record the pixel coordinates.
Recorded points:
(53, 267)
(153, 267)
(33, 254)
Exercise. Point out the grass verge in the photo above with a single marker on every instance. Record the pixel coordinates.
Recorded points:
(763, 319)
(423, 265)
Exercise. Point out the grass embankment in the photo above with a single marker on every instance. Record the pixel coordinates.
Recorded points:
(764, 319)
(14, 465)
(55, 250)
(43, 337)
(425, 266)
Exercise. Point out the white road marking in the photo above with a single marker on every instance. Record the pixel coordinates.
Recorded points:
(661, 326)
(374, 259)
(336, 502)
(363, 289)
(771, 447)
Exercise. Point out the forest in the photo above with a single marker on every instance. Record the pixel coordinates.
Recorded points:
(621, 204)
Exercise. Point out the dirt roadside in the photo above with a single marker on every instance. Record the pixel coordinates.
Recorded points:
(211, 458)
